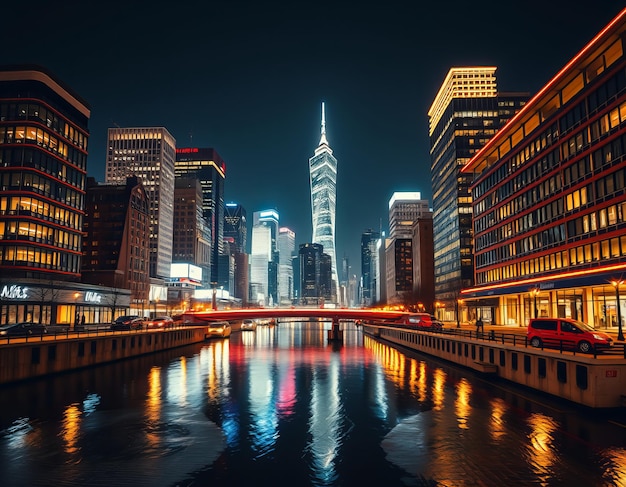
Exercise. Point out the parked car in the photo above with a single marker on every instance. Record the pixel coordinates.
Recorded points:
(221, 329)
(160, 322)
(567, 333)
(23, 329)
(423, 321)
(248, 325)
(128, 322)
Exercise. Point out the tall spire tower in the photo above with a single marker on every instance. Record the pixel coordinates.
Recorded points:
(323, 177)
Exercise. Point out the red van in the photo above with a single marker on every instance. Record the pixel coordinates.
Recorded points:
(567, 333)
(422, 321)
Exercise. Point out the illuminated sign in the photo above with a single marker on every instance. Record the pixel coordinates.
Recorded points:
(92, 297)
(189, 271)
(14, 292)
(187, 150)
(268, 213)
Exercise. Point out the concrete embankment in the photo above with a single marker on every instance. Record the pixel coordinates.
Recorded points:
(595, 381)
(22, 358)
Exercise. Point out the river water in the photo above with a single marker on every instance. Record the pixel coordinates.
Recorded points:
(280, 406)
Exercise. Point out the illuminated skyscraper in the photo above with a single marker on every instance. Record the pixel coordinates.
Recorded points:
(149, 153)
(323, 177)
(206, 165)
(466, 112)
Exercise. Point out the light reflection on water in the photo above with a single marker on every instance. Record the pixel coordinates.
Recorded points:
(280, 406)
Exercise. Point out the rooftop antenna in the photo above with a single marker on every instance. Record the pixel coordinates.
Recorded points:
(323, 137)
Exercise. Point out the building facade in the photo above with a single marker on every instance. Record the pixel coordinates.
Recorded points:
(406, 208)
(116, 248)
(192, 235)
(43, 168)
(424, 263)
(148, 153)
(323, 179)
(466, 112)
(206, 165)
(549, 197)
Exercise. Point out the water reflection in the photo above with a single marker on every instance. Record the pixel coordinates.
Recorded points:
(282, 406)
(71, 428)
(325, 424)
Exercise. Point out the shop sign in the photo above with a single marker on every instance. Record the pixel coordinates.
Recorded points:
(14, 292)
(93, 297)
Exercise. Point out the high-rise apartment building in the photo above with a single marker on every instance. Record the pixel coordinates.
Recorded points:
(548, 193)
(466, 112)
(206, 165)
(149, 153)
(369, 264)
(323, 179)
(286, 249)
(43, 149)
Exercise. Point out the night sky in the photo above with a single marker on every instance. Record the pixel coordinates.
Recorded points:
(248, 79)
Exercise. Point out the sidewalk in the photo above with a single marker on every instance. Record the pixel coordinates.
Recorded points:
(520, 330)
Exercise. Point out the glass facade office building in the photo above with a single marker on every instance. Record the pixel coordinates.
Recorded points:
(549, 196)
(466, 112)
(323, 178)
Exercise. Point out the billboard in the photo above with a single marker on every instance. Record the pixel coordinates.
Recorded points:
(186, 273)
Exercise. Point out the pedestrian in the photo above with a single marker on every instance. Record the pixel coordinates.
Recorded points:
(479, 325)
(82, 321)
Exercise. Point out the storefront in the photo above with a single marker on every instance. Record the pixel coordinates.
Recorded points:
(59, 302)
(595, 303)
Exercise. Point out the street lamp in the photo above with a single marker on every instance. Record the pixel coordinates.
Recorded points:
(616, 284)
(457, 306)
(76, 313)
(535, 292)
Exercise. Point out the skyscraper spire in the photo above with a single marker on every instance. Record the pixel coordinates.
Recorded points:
(323, 137)
(323, 178)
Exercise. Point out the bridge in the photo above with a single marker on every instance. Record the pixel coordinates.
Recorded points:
(333, 314)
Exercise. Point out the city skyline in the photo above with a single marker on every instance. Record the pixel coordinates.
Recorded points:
(251, 90)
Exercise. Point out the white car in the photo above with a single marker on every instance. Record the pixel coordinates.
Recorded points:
(248, 325)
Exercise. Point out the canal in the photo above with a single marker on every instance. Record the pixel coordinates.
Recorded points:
(280, 406)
